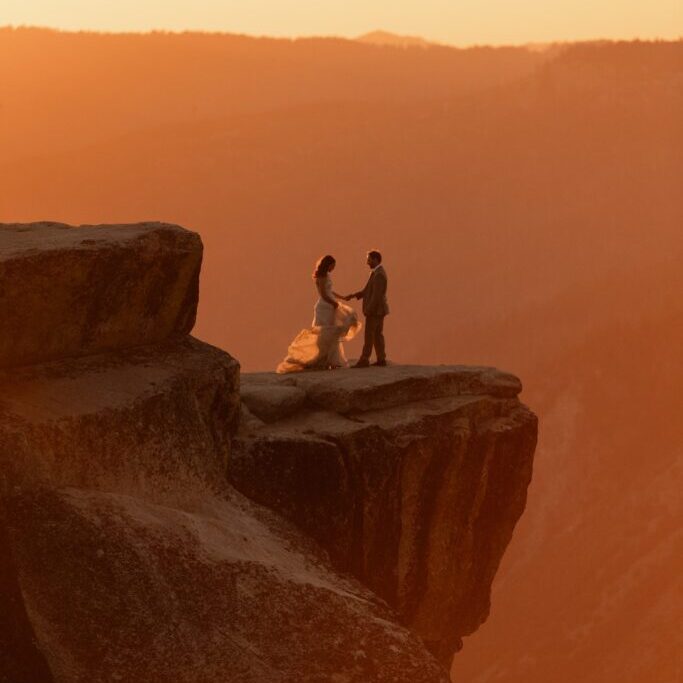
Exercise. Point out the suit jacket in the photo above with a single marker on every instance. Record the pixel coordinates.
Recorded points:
(374, 294)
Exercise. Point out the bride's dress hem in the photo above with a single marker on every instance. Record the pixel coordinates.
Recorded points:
(320, 347)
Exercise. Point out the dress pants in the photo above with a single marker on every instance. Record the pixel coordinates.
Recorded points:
(374, 336)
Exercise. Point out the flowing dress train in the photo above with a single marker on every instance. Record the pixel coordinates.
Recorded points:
(321, 345)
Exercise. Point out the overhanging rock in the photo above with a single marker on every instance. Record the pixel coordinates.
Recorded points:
(413, 478)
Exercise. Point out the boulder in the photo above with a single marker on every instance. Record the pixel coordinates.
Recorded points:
(414, 489)
(72, 291)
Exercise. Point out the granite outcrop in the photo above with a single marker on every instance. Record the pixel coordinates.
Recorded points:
(126, 554)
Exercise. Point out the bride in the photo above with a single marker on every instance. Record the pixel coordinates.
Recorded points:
(320, 346)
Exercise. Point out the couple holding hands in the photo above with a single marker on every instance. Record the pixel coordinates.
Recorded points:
(321, 345)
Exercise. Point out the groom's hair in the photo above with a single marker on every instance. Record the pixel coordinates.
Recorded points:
(375, 255)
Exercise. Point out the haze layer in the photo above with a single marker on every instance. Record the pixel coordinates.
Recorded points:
(528, 206)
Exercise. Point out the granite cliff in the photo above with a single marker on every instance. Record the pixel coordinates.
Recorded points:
(157, 523)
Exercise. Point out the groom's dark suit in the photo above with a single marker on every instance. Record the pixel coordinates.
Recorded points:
(375, 307)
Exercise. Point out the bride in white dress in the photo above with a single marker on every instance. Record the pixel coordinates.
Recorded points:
(320, 346)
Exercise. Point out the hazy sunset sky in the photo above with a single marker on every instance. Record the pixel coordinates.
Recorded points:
(460, 22)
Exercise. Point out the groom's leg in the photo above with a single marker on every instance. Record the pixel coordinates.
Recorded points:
(379, 339)
(370, 325)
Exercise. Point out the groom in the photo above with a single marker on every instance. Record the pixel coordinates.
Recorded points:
(375, 307)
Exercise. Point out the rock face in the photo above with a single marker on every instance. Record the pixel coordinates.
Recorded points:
(412, 477)
(71, 291)
(124, 553)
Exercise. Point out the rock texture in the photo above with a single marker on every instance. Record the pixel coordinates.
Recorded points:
(71, 291)
(412, 477)
(124, 553)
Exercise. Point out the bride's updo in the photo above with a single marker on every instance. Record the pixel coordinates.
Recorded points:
(322, 267)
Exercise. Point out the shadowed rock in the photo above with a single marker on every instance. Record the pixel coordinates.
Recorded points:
(412, 477)
(73, 291)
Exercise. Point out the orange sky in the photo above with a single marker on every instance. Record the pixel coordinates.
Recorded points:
(464, 22)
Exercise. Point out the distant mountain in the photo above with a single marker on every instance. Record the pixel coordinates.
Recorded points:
(393, 40)
(204, 77)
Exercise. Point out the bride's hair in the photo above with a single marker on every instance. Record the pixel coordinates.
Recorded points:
(323, 266)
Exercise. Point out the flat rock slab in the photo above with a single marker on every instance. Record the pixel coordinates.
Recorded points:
(72, 291)
(361, 390)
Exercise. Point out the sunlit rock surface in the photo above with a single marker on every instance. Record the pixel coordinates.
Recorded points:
(70, 291)
(412, 477)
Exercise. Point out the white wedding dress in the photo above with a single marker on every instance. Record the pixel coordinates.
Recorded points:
(320, 346)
